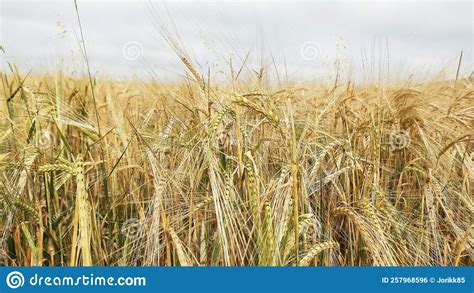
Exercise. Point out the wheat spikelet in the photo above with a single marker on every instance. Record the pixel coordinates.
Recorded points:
(203, 244)
(324, 152)
(369, 211)
(252, 192)
(228, 183)
(429, 198)
(315, 250)
(253, 94)
(183, 258)
(163, 142)
(388, 211)
(304, 221)
(26, 207)
(202, 203)
(269, 114)
(194, 72)
(218, 119)
(373, 243)
(83, 214)
(267, 242)
(58, 167)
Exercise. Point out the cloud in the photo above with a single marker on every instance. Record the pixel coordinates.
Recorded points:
(44, 35)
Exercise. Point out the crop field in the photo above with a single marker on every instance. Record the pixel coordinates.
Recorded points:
(249, 170)
(195, 174)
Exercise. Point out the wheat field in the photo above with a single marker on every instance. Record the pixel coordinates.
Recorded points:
(106, 173)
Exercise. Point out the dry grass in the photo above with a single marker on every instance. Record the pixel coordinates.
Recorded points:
(250, 174)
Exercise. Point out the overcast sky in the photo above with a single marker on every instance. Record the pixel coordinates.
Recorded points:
(299, 39)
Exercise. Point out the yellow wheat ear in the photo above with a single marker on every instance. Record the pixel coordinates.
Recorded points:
(315, 250)
(82, 221)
